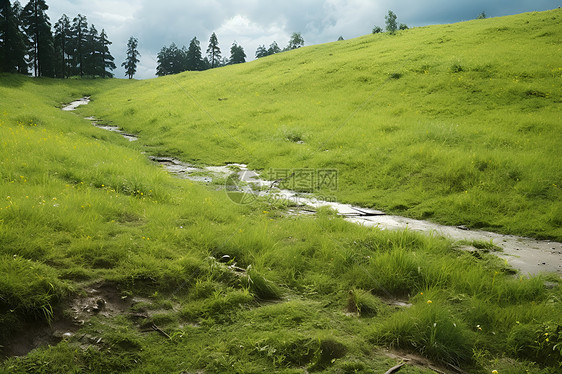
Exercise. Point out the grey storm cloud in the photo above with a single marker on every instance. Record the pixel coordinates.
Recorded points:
(259, 22)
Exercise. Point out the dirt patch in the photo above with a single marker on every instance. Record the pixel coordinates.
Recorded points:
(96, 300)
(412, 359)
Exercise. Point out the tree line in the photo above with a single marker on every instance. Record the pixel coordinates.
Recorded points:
(174, 60)
(30, 45)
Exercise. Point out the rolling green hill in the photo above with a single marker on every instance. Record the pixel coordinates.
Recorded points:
(459, 123)
(109, 264)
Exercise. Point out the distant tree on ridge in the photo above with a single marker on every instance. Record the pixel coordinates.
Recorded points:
(237, 54)
(213, 51)
(391, 25)
(132, 59)
(295, 42)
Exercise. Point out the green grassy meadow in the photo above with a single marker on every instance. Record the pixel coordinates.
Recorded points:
(459, 124)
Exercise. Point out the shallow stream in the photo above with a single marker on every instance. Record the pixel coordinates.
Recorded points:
(530, 256)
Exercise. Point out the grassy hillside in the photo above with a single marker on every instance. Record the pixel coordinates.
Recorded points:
(98, 241)
(456, 123)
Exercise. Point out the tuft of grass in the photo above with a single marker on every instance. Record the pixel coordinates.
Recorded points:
(363, 303)
(431, 330)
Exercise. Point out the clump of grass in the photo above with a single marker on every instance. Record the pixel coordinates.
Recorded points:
(430, 329)
(221, 306)
(262, 288)
(541, 343)
(28, 290)
(363, 303)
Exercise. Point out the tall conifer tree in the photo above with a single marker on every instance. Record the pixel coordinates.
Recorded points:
(130, 63)
(194, 56)
(107, 60)
(213, 51)
(12, 40)
(38, 29)
(63, 50)
(79, 44)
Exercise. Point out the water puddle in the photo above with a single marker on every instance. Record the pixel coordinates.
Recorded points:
(530, 256)
(75, 104)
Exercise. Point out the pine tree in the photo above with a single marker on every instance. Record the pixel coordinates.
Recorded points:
(213, 51)
(38, 29)
(130, 63)
(12, 40)
(62, 47)
(261, 51)
(107, 60)
(79, 44)
(194, 58)
(237, 55)
(171, 60)
(92, 55)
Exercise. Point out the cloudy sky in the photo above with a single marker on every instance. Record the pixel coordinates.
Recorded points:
(255, 22)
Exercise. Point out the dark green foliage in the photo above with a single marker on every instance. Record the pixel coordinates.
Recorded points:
(403, 26)
(80, 50)
(213, 51)
(193, 56)
(390, 19)
(93, 57)
(106, 59)
(171, 60)
(79, 45)
(377, 30)
(132, 59)
(237, 55)
(296, 41)
(12, 40)
(38, 30)
(262, 51)
(482, 16)
(63, 37)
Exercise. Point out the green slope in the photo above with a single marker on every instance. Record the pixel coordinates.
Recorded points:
(456, 123)
(83, 209)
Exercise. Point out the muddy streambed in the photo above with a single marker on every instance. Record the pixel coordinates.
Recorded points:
(530, 256)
